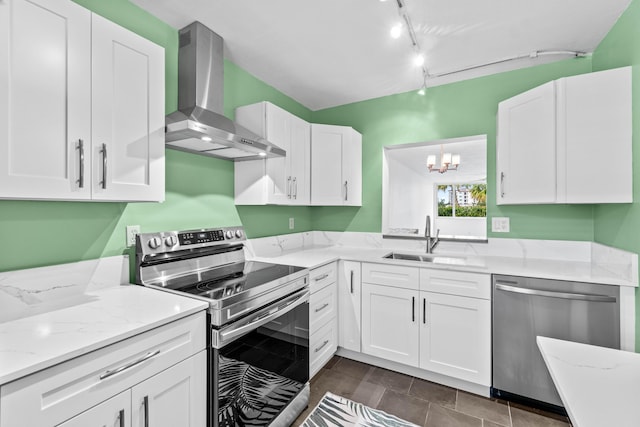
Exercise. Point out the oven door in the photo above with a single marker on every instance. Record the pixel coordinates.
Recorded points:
(260, 365)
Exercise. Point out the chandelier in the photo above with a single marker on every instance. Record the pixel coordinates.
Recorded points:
(448, 162)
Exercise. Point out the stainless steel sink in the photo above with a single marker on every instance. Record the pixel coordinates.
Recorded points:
(436, 259)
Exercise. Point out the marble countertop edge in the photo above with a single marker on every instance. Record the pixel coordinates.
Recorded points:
(598, 385)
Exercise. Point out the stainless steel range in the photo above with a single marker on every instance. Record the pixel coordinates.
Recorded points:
(259, 316)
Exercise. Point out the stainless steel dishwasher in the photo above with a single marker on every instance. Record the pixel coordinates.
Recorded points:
(524, 308)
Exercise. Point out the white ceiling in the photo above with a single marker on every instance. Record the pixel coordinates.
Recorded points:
(325, 53)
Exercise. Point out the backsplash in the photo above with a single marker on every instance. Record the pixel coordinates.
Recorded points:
(622, 263)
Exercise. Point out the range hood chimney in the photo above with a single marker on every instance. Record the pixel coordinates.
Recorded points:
(199, 125)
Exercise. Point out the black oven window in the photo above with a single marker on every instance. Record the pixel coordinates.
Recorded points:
(260, 373)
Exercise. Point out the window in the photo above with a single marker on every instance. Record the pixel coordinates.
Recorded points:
(462, 200)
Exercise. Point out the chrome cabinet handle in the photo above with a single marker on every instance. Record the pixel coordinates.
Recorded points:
(324, 276)
(288, 187)
(424, 311)
(501, 184)
(326, 304)
(145, 403)
(144, 358)
(103, 183)
(121, 418)
(351, 282)
(346, 191)
(413, 309)
(321, 346)
(552, 294)
(80, 148)
(295, 188)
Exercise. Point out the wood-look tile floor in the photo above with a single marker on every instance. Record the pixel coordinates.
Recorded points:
(418, 401)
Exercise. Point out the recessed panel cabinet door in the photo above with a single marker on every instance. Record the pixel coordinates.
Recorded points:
(44, 99)
(175, 397)
(114, 412)
(128, 115)
(349, 300)
(455, 336)
(526, 147)
(390, 323)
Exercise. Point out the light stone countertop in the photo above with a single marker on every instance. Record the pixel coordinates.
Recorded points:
(599, 386)
(580, 271)
(52, 314)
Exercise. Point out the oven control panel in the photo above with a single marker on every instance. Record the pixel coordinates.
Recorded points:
(169, 241)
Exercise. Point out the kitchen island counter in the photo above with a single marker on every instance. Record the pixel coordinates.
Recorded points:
(598, 386)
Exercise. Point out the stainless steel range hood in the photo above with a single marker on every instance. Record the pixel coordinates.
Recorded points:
(199, 125)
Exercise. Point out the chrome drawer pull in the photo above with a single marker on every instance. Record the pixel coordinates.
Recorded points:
(121, 418)
(129, 365)
(323, 307)
(324, 276)
(321, 346)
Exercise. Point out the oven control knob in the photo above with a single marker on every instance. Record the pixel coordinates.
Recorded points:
(170, 241)
(155, 243)
(229, 234)
(239, 234)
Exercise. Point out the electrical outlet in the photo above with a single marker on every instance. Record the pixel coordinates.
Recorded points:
(292, 223)
(500, 224)
(132, 232)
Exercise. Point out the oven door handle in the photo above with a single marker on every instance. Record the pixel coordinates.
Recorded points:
(219, 338)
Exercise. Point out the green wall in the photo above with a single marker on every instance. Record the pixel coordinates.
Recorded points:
(454, 110)
(619, 225)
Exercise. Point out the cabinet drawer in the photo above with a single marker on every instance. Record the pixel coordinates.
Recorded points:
(322, 276)
(476, 285)
(391, 275)
(322, 346)
(54, 395)
(322, 307)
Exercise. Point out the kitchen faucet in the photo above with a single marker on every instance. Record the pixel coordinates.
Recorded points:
(431, 241)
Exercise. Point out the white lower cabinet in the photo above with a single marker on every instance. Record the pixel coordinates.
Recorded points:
(323, 308)
(349, 303)
(437, 320)
(157, 378)
(113, 412)
(455, 336)
(389, 324)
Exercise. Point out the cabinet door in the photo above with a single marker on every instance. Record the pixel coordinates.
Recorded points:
(175, 397)
(128, 114)
(115, 412)
(300, 161)
(526, 147)
(45, 99)
(390, 325)
(594, 129)
(349, 299)
(278, 131)
(327, 184)
(455, 336)
(352, 169)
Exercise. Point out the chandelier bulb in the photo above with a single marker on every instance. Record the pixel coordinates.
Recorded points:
(396, 31)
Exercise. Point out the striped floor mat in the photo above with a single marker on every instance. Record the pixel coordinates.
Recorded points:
(336, 411)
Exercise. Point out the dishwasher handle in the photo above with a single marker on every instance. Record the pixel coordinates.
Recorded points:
(551, 294)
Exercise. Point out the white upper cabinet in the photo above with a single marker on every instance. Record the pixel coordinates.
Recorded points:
(70, 81)
(45, 99)
(128, 114)
(554, 140)
(278, 180)
(336, 166)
